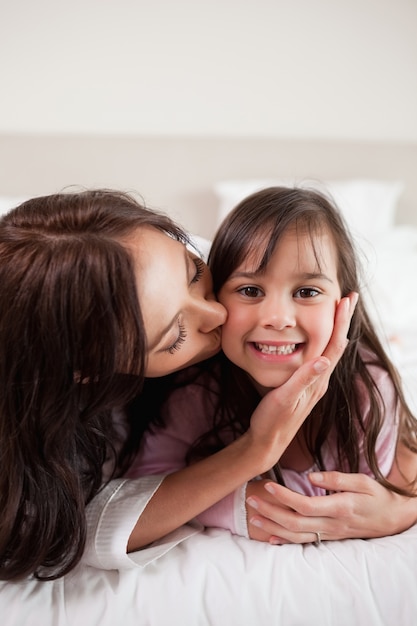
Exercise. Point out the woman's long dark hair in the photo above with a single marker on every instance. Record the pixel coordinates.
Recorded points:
(264, 217)
(72, 349)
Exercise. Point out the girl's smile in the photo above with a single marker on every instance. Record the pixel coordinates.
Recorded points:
(283, 315)
(276, 350)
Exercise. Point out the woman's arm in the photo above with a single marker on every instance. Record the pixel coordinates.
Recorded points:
(186, 493)
(360, 508)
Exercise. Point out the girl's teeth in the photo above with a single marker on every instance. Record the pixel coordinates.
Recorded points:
(267, 349)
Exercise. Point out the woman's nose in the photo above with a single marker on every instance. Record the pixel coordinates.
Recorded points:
(212, 314)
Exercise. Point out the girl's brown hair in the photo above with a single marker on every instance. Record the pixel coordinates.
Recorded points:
(73, 347)
(263, 218)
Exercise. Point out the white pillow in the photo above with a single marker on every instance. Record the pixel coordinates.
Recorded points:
(369, 206)
(200, 245)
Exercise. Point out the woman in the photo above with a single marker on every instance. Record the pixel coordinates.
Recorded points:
(83, 320)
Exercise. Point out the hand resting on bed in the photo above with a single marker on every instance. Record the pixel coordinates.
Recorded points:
(360, 507)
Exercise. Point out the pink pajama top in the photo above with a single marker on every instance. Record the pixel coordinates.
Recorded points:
(164, 449)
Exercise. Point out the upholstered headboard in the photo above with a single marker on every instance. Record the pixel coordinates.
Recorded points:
(178, 174)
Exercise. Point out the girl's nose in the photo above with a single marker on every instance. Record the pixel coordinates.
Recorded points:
(277, 313)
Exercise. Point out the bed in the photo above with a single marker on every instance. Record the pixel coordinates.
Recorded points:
(214, 578)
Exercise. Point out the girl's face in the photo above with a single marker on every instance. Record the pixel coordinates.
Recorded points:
(181, 316)
(283, 316)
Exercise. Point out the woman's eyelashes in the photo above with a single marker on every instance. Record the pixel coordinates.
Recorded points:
(182, 334)
(199, 269)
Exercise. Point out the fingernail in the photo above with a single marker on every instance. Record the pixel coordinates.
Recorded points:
(270, 488)
(252, 503)
(256, 522)
(321, 366)
(349, 302)
(317, 477)
(346, 304)
(274, 541)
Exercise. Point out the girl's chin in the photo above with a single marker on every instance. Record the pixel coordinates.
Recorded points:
(264, 384)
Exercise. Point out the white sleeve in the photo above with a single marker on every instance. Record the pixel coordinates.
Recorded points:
(111, 517)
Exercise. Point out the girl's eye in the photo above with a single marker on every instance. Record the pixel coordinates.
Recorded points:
(182, 334)
(306, 292)
(199, 269)
(250, 292)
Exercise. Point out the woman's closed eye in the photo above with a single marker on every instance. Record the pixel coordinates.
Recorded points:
(182, 334)
(199, 269)
(200, 266)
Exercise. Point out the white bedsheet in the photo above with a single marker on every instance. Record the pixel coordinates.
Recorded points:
(214, 579)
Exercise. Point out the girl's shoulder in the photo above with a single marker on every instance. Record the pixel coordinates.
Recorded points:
(374, 365)
(194, 396)
(382, 380)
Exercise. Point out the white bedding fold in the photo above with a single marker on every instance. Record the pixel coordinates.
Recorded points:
(216, 579)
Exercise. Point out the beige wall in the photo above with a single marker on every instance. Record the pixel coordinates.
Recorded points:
(326, 69)
(178, 174)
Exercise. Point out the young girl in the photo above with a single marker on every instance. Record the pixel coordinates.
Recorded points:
(281, 262)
